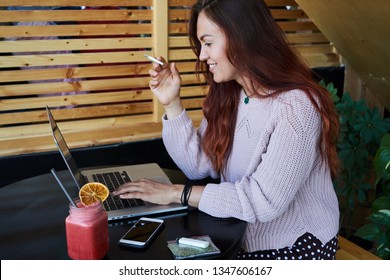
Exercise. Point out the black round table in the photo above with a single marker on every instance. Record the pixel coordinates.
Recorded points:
(33, 212)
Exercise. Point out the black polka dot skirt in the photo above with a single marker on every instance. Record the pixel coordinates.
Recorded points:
(307, 247)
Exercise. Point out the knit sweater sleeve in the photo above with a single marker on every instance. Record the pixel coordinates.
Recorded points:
(281, 163)
(182, 141)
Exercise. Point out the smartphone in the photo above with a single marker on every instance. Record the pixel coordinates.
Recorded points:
(142, 232)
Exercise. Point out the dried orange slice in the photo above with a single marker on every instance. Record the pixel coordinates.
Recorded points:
(92, 192)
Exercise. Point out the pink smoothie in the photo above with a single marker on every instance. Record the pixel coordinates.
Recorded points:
(87, 232)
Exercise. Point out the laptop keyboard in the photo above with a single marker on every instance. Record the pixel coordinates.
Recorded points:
(113, 180)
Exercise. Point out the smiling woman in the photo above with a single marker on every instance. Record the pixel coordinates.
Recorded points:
(268, 135)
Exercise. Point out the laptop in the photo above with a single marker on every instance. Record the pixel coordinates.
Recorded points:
(113, 177)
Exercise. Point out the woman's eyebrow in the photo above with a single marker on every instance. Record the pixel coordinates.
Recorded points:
(203, 36)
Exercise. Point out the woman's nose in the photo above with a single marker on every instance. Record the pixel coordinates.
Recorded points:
(203, 56)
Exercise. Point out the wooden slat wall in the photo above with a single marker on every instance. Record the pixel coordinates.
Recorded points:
(87, 64)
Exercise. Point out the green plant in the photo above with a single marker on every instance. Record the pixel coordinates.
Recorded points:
(378, 230)
(361, 129)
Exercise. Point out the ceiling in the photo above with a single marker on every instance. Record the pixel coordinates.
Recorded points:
(360, 31)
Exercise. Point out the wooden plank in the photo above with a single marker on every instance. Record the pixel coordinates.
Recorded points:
(322, 60)
(351, 251)
(74, 15)
(181, 54)
(191, 79)
(190, 91)
(75, 100)
(183, 14)
(73, 45)
(86, 125)
(184, 66)
(85, 72)
(279, 14)
(193, 103)
(280, 3)
(6, 3)
(179, 41)
(72, 59)
(77, 113)
(274, 3)
(78, 30)
(160, 44)
(74, 73)
(287, 26)
(306, 38)
(315, 49)
(291, 26)
(84, 86)
(181, 3)
(76, 86)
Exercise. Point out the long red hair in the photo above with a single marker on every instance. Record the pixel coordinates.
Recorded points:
(258, 49)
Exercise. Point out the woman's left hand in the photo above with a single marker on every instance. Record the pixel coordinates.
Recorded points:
(150, 191)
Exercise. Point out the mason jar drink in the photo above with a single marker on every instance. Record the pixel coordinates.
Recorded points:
(87, 231)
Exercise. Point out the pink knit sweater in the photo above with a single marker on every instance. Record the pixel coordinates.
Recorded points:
(275, 179)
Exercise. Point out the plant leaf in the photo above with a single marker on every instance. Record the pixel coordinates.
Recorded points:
(381, 217)
(385, 141)
(382, 239)
(361, 195)
(380, 203)
(382, 158)
(368, 231)
(383, 251)
(386, 187)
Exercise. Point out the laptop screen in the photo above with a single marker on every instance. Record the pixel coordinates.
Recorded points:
(64, 150)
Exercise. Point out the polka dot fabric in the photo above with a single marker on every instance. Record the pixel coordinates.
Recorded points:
(307, 247)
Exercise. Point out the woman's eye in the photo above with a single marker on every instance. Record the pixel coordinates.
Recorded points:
(207, 44)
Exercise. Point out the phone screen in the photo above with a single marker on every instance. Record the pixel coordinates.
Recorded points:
(141, 231)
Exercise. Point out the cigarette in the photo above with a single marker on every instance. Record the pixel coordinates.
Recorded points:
(153, 59)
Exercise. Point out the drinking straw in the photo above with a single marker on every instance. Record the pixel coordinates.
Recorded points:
(63, 188)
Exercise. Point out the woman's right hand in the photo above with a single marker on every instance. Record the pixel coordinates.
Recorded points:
(165, 85)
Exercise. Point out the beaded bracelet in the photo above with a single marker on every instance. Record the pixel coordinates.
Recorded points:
(185, 195)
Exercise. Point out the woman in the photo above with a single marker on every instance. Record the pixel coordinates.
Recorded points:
(268, 133)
